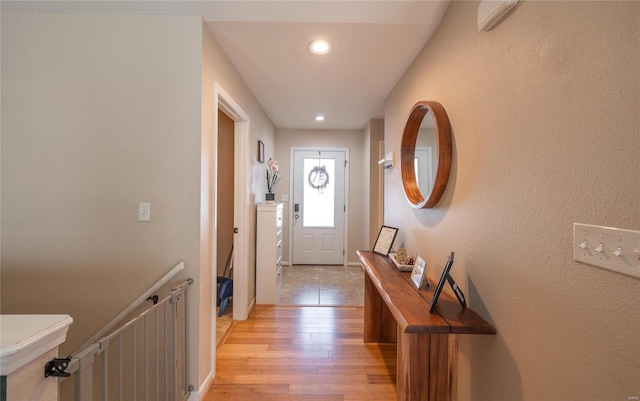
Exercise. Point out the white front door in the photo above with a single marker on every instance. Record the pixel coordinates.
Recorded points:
(423, 165)
(319, 206)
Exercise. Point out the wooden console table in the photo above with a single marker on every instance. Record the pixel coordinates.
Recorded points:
(427, 348)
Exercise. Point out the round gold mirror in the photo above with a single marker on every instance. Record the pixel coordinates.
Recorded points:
(425, 154)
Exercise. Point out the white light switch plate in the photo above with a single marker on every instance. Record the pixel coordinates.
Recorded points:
(144, 212)
(614, 249)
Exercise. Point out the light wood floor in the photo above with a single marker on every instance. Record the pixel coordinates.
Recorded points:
(300, 353)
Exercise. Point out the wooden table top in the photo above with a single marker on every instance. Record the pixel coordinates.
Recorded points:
(410, 306)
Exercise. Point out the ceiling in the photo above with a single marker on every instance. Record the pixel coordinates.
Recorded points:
(374, 41)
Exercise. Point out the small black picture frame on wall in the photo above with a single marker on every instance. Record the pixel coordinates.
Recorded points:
(385, 239)
(260, 151)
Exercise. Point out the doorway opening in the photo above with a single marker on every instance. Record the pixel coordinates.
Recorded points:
(241, 208)
(225, 201)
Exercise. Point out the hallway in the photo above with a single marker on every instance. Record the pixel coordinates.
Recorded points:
(303, 353)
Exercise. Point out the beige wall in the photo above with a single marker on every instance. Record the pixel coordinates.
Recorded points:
(373, 134)
(97, 117)
(216, 67)
(352, 139)
(544, 111)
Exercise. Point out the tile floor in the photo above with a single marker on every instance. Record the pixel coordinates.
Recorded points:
(311, 285)
(321, 285)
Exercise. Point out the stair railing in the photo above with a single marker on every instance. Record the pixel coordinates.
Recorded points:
(144, 359)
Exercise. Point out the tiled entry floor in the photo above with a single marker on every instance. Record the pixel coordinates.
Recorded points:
(321, 285)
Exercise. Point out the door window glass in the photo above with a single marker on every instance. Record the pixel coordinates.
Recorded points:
(319, 193)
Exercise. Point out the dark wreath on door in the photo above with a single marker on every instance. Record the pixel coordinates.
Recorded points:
(319, 192)
(319, 178)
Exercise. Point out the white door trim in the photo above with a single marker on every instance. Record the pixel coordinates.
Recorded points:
(346, 197)
(242, 208)
(241, 190)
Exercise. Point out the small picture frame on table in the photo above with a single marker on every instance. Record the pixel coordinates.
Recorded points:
(419, 273)
(385, 239)
(444, 278)
(260, 151)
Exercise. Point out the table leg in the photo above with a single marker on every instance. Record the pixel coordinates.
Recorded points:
(427, 366)
(379, 324)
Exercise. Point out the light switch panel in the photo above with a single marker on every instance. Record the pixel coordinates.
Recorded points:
(144, 212)
(615, 249)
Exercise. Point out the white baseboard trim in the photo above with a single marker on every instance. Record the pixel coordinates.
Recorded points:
(348, 264)
(203, 390)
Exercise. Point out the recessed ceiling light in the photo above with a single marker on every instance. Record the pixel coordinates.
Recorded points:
(320, 47)
(319, 118)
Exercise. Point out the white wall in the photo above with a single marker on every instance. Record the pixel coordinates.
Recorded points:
(544, 111)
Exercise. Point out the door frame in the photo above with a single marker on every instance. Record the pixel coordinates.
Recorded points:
(242, 205)
(242, 208)
(292, 151)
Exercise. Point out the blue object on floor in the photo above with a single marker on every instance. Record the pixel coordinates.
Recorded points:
(225, 286)
(225, 291)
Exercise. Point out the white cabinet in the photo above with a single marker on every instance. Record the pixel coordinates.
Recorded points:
(268, 252)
